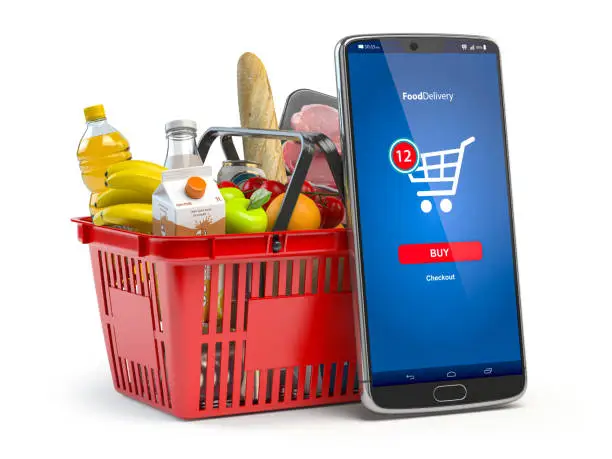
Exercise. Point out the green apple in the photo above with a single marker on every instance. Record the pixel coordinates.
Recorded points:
(231, 193)
(246, 215)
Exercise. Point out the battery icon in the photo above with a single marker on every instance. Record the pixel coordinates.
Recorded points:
(360, 46)
(484, 47)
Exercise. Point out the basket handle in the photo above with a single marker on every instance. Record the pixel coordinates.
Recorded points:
(309, 143)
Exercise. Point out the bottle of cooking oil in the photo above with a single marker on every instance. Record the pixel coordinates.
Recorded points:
(100, 146)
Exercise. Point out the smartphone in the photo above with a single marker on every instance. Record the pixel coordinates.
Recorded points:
(431, 224)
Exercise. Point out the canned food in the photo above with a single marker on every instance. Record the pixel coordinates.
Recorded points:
(239, 171)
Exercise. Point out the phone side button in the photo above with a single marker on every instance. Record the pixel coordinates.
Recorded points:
(450, 393)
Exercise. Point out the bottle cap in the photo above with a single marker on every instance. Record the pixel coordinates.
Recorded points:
(95, 112)
(181, 124)
(195, 188)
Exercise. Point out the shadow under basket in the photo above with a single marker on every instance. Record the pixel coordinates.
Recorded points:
(223, 325)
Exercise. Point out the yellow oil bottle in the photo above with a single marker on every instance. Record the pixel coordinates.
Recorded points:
(100, 146)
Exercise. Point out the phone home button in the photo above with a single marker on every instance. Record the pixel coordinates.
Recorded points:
(449, 393)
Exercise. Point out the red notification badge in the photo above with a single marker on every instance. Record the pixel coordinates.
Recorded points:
(404, 156)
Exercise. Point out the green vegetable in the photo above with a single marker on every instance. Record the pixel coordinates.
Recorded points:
(245, 215)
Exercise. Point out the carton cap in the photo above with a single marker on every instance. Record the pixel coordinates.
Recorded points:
(195, 187)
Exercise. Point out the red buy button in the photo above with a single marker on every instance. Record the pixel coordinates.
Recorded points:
(414, 254)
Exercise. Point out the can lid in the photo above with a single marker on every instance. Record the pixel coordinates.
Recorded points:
(95, 112)
(181, 124)
(195, 187)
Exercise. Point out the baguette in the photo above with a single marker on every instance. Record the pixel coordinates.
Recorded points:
(257, 111)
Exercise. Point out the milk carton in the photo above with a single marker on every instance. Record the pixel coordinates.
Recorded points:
(188, 203)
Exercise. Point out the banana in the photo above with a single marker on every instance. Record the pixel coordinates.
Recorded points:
(136, 180)
(133, 216)
(114, 196)
(93, 201)
(133, 164)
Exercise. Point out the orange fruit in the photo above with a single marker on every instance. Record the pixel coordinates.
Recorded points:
(305, 216)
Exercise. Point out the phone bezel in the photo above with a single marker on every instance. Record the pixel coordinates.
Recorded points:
(417, 397)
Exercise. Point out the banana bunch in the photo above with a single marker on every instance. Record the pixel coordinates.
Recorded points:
(126, 202)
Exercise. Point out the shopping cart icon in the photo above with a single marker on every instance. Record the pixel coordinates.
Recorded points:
(440, 167)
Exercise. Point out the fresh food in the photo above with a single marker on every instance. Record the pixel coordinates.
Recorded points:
(257, 111)
(136, 217)
(331, 209)
(314, 118)
(226, 184)
(142, 180)
(305, 215)
(244, 215)
(134, 164)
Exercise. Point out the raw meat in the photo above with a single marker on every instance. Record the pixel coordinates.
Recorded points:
(314, 118)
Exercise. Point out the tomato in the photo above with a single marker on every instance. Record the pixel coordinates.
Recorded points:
(252, 184)
(307, 187)
(226, 184)
(332, 211)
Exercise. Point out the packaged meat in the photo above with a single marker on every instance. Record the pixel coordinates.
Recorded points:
(314, 118)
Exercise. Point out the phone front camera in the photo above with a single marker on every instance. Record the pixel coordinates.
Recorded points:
(414, 46)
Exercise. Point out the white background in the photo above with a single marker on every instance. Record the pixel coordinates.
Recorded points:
(152, 62)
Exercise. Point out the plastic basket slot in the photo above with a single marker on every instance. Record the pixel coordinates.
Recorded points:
(154, 387)
(128, 377)
(123, 275)
(143, 374)
(164, 381)
(223, 375)
(309, 381)
(228, 298)
(243, 282)
(210, 298)
(112, 355)
(203, 376)
(345, 284)
(238, 386)
(101, 273)
(134, 378)
(309, 277)
(144, 280)
(283, 288)
(110, 262)
(300, 377)
(299, 277)
(156, 310)
(271, 278)
(329, 378)
(110, 279)
(210, 377)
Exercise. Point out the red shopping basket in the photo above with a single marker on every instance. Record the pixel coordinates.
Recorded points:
(279, 330)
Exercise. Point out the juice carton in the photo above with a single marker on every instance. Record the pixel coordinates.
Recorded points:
(188, 203)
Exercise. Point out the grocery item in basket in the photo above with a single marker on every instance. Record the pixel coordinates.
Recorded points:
(182, 149)
(257, 111)
(239, 171)
(100, 146)
(305, 215)
(314, 118)
(244, 215)
(256, 183)
(332, 210)
(131, 217)
(188, 203)
(133, 165)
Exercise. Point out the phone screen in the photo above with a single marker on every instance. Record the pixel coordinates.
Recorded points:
(435, 220)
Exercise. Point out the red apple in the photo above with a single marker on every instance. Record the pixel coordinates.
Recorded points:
(226, 184)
